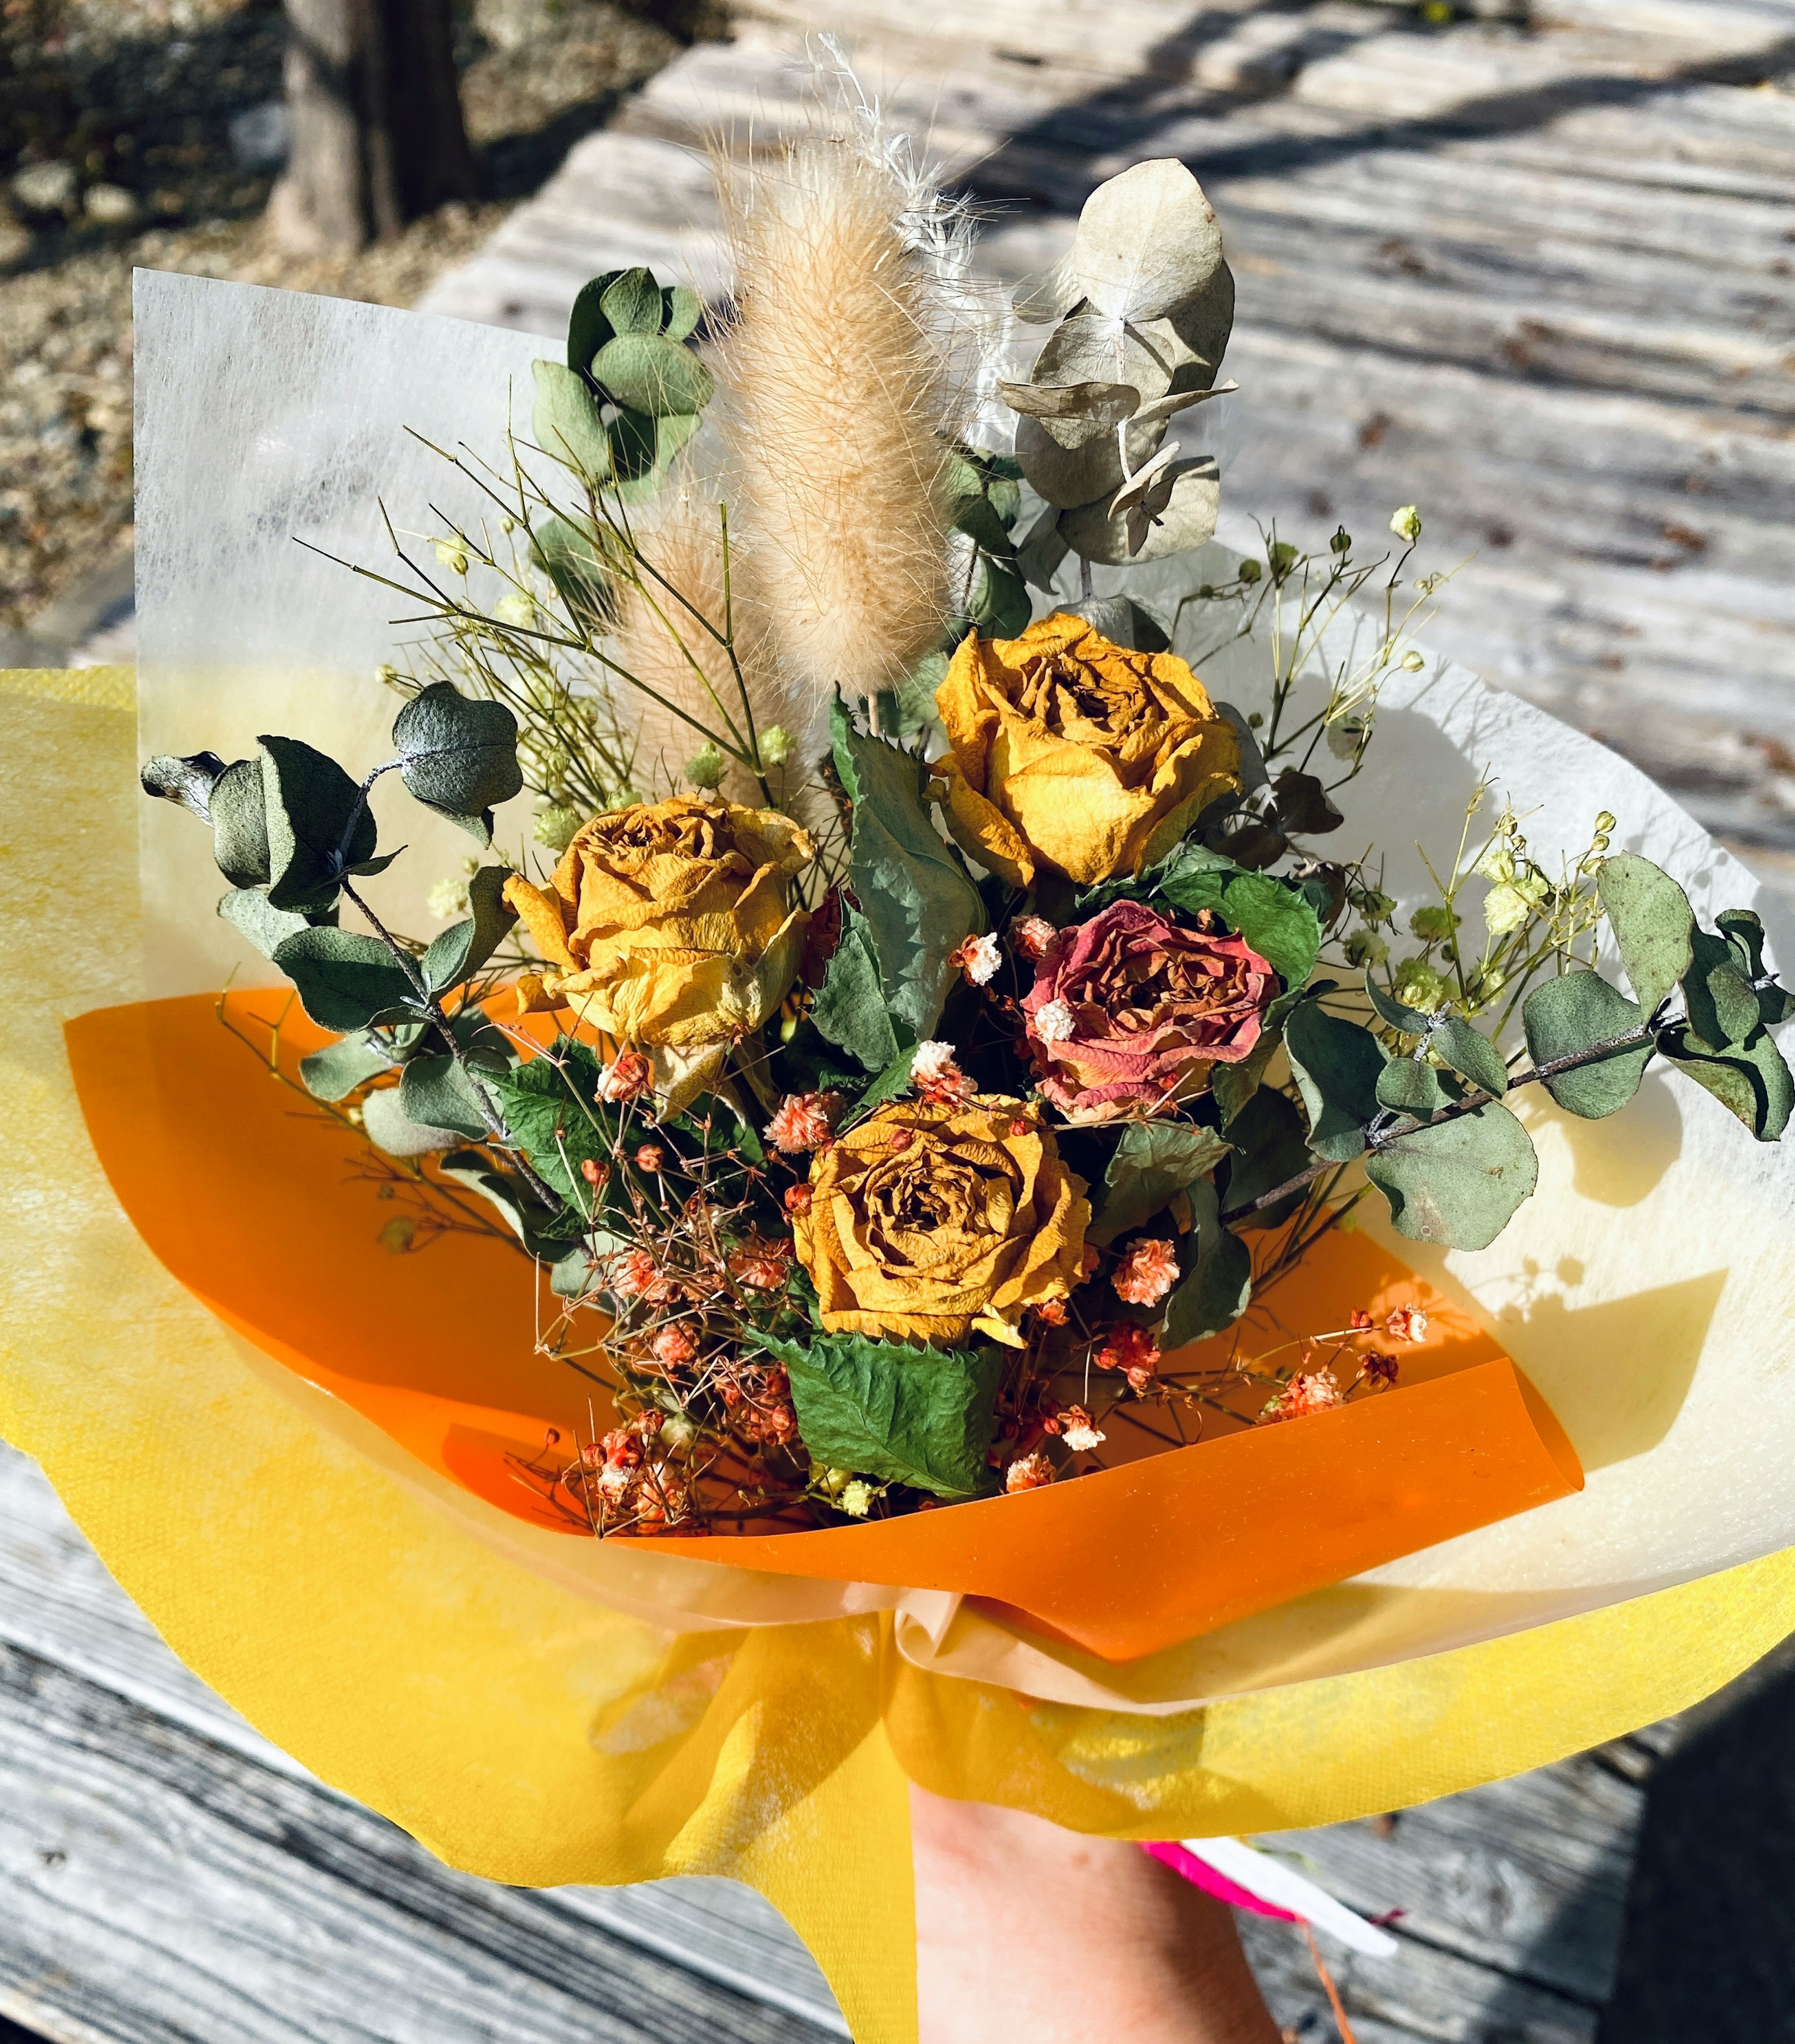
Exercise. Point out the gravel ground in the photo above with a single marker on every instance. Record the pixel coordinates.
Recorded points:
(117, 150)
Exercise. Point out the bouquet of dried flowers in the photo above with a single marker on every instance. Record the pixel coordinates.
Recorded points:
(924, 1027)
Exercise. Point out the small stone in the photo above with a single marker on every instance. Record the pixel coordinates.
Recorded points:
(111, 205)
(46, 187)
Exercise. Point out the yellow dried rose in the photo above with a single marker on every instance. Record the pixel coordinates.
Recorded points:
(1075, 755)
(927, 1222)
(669, 926)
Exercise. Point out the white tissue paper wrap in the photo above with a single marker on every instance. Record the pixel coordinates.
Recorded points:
(1648, 1288)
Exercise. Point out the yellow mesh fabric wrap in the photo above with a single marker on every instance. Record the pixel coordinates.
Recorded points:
(525, 1734)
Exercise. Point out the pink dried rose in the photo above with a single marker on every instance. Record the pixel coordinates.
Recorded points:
(800, 1122)
(1146, 1273)
(1316, 1392)
(1130, 1012)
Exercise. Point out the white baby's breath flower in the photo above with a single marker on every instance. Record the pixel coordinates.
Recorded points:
(930, 1061)
(1406, 524)
(1081, 1436)
(1054, 1022)
(448, 898)
(857, 1499)
(518, 608)
(981, 958)
(1505, 908)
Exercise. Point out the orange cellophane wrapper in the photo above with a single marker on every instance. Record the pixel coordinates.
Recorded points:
(264, 1209)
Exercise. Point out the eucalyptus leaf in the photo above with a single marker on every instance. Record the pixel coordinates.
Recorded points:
(457, 757)
(574, 559)
(335, 1071)
(567, 422)
(1470, 1054)
(1567, 1017)
(1000, 606)
(318, 823)
(1218, 1280)
(1337, 1064)
(681, 311)
(651, 374)
(187, 781)
(239, 824)
(346, 981)
(1303, 806)
(1103, 404)
(1235, 1086)
(1043, 550)
(1398, 1014)
(588, 329)
(924, 1417)
(1719, 1003)
(977, 517)
(632, 303)
(1752, 1082)
(1411, 1086)
(435, 1091)
(1147, 242)
(248, 911)
(1123, 622)
(1271, 1147)
(463, 949)
(1743, 928)
(389, 1128)
(849, 1009)
(919, 902)
(1178, 513)
(1652, 922)
(1458, 1182)
(1152, 1161)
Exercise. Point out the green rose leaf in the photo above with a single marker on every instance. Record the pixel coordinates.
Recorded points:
(335, 1071)
(918, 900)
(1470, 1054)
(457, 757)
(1719, 999)
(249, 912)
(1751, 1081)
(318, 825)
(1337, 1065)
(346, 981)
(1275, 916)
(549, 1112)
(1153, 1160)
(464, 947)
(651, 374)
(1458, 1182)
(1568, 1015)
(894, 1080)
(919, 1416)
(850, 1008)
(435, 1091)
(1271, 1147)
(1214, 1292)
(567, 422)
(1652, 922)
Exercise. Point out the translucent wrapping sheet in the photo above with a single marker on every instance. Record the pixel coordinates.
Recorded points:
(1647, 1287)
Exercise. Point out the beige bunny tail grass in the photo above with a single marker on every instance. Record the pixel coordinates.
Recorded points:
(667, 649)
(838, 388)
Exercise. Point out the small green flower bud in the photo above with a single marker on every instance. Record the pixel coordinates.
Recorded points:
(518, 608)
(778, 746)
(1250, 572)
(1414, 661)
(1406, 524)
(1341, 543)
(678, 1433)
(705, 769)
(1605, 822)
(1283, 556)
(554, 827)
(453, 555)
(1366, 948)
(1418, 986)
(1433, 925)
(386, 674)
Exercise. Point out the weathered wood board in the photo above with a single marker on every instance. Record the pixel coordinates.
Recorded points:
(165, 1873)
(1538, 278)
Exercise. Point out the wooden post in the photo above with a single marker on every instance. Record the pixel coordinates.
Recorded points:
(377, 138)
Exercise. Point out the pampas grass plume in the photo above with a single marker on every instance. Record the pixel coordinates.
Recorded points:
(838, 388)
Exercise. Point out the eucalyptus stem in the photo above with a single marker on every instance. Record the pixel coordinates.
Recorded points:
(1630, 1040)
(476, 1085)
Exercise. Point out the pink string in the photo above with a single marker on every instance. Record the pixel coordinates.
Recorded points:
(1200, 1874)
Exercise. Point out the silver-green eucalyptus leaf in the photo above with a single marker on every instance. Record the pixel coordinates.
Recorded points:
(1147, 242)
